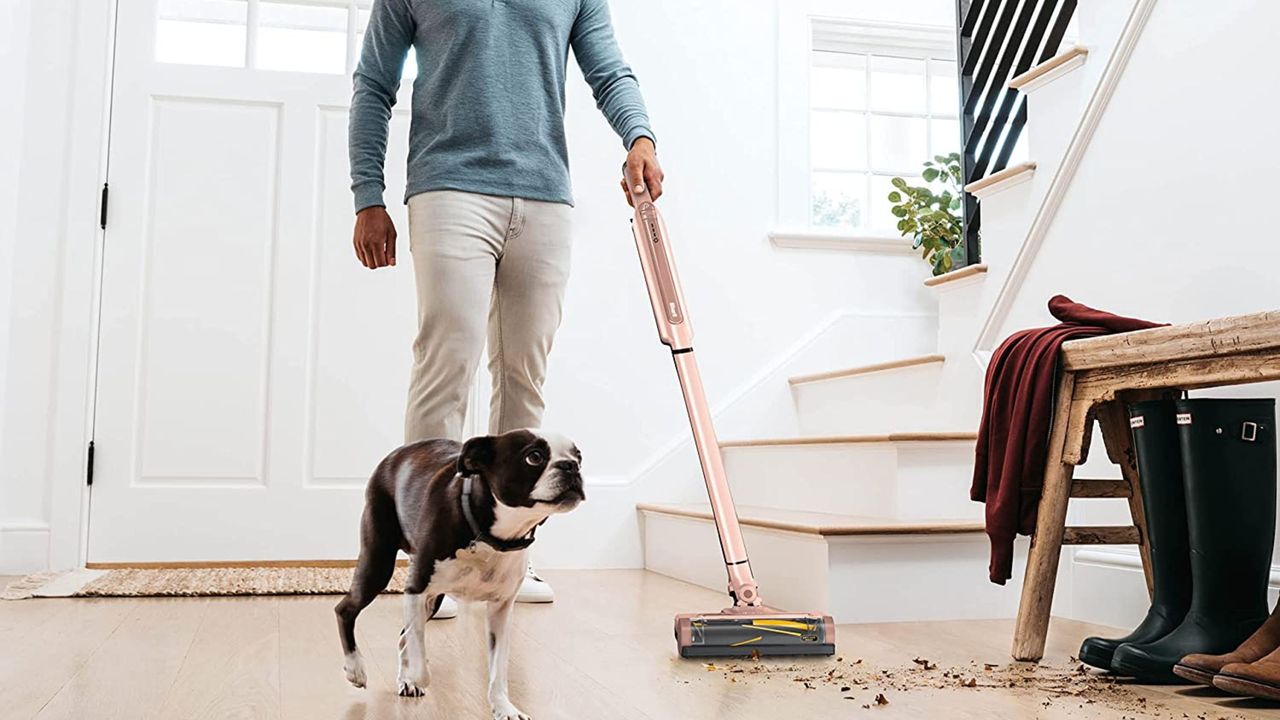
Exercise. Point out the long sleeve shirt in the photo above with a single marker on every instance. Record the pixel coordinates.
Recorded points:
(488, 99)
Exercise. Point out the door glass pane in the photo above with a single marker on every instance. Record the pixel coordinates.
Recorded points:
(944, 94)
(838, 81)
(837, 140)
(944, 136)
(897, 84)
(839, 199)
(897, 143)
(302, 38)
(202, 32)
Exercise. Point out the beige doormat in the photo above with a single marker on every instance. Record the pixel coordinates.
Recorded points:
(190, 582)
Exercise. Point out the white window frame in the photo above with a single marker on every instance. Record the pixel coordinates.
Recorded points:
(820, 25)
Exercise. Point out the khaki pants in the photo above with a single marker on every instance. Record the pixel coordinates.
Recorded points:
(484, 265)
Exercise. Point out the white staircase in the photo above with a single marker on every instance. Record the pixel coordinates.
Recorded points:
(866, 513)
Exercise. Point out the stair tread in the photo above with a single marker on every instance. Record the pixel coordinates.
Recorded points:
(853, 439)
(964, 272)
(818, 523)
(1048, 66)
(867, 369)
(977, 186)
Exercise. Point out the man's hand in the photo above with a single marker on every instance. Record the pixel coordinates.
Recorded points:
(375, 238)
(642, 170)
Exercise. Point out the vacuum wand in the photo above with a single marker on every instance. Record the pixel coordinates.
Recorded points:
(675, 332)
(748, 627)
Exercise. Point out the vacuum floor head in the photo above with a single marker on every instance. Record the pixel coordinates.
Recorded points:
(754, 632)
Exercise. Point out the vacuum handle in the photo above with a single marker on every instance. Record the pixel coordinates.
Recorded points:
(665, 295)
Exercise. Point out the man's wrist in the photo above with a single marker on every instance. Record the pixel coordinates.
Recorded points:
(642, 135)
(368, 194)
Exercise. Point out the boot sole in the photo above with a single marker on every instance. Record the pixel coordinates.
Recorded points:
(1237, 685)
(1195, 675)
(1145, 677)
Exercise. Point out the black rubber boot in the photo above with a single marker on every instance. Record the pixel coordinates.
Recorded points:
(1229, 468)
(1155, 440)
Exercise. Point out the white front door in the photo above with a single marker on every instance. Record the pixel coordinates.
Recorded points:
(251, 373)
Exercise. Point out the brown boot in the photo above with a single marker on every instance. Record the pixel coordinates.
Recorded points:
(1259, 679)
(1261, 644)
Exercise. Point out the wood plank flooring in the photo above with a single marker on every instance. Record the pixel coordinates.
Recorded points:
(603, 650)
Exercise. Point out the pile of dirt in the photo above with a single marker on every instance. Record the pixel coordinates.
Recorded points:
(871, 686)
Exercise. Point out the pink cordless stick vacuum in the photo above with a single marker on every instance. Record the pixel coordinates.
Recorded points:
(748, 627)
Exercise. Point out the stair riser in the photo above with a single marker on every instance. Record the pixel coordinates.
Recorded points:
(862, 579)
(895, 480)
(917, 578)
(902, 399)
(1053, 112)
(791, 568)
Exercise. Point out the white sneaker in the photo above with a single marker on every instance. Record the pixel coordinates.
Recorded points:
(534, 589)
(448, 609)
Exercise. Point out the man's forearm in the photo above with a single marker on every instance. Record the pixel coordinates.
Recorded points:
(367, 143)
(612, 83)
(377, 78)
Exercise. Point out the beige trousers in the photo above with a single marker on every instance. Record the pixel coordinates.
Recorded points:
(484, 266)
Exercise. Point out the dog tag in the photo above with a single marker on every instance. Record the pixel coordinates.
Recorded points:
(1137, 422)
(1184, 418)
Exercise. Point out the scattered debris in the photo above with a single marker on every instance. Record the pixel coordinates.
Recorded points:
(1073, 683)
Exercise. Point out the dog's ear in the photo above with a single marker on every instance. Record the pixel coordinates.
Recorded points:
(477, 454)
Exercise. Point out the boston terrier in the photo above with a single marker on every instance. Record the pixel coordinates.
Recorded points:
(466, 515)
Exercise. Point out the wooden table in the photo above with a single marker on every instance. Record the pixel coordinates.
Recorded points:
(1098, 378)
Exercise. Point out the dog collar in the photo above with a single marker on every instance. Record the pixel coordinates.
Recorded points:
(484, 536)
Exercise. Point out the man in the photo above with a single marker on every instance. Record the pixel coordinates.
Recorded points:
(488, 188)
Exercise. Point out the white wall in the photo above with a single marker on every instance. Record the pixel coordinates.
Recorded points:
(1165, 218)
(14, 19)
(29, 183)
(708, 71)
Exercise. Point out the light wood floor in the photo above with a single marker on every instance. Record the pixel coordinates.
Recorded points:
(603, 650)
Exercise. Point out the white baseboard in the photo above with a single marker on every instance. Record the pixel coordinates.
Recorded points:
(24, 547)
(1108, 587)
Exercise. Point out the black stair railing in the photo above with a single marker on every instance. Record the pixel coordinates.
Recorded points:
(998, 40)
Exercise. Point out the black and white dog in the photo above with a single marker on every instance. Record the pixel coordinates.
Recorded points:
(466, 515)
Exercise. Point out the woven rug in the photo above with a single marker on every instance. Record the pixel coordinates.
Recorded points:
(190, 582)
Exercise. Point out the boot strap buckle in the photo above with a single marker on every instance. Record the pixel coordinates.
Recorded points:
(1249, 431)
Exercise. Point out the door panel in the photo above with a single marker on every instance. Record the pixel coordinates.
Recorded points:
(206, 290)
(250, 372)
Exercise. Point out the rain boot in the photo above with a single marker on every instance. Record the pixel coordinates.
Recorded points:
(1155, 439)
(1262, 645)
(1229, 471)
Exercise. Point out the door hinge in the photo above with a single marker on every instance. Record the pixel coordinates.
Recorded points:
(102, 207)
(88, 471)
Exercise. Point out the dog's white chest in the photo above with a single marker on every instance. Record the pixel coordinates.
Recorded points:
(478, 573)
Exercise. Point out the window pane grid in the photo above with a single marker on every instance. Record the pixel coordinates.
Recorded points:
(846, 194)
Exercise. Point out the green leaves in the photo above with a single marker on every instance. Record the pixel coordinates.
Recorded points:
(932, 219)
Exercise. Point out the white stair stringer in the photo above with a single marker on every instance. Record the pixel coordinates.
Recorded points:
(929, 572)
(905, 477)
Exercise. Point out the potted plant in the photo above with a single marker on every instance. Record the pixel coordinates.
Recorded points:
(931, 214)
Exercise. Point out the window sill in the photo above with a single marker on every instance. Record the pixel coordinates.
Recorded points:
(845, 241)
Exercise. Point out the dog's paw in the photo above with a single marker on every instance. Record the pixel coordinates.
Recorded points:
(353, 666)
(507, 711)
(407, 688)
(413, 683)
